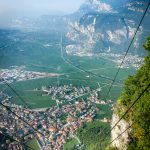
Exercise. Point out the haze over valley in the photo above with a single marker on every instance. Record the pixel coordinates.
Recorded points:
(56, 69)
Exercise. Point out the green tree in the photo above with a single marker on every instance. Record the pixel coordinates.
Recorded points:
(147, 44)
(140, 113)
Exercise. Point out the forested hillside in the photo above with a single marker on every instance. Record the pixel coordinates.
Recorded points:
(140, 113)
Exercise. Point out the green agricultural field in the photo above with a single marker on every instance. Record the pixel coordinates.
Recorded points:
(33, 144)
(28, 49)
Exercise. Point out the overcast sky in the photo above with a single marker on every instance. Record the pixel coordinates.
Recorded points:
(10, 8)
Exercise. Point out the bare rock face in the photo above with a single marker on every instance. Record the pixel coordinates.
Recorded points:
(122, 141)
(106, 26)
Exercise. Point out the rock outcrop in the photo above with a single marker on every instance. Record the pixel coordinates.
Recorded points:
(122, 141)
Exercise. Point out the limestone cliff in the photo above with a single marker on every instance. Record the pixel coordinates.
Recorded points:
(135, 99)
(122, 142)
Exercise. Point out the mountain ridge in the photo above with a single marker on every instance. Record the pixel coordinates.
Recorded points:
(106, 28)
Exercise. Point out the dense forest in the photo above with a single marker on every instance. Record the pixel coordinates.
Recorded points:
(140, 113)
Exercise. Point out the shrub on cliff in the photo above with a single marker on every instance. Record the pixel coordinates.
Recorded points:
(140, 113)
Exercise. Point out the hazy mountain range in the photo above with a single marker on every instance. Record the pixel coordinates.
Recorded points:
(107, 25)
(98, 26)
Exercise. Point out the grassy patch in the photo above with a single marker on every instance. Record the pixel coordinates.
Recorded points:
(104, 111)
(70, 145)
(33, 144)
(92, 134)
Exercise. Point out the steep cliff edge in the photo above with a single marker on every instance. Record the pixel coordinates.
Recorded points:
(123, 141)
(138, 136)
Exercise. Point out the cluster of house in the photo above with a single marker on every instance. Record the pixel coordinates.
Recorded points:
(65, 92)
(19, 74)
(7, 144)
(55, 125)
(130, 60)
(68, 119)
(94, 97)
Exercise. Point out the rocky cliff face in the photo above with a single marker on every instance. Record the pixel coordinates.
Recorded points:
(98, 26)
(122, 142)
(106, 26)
